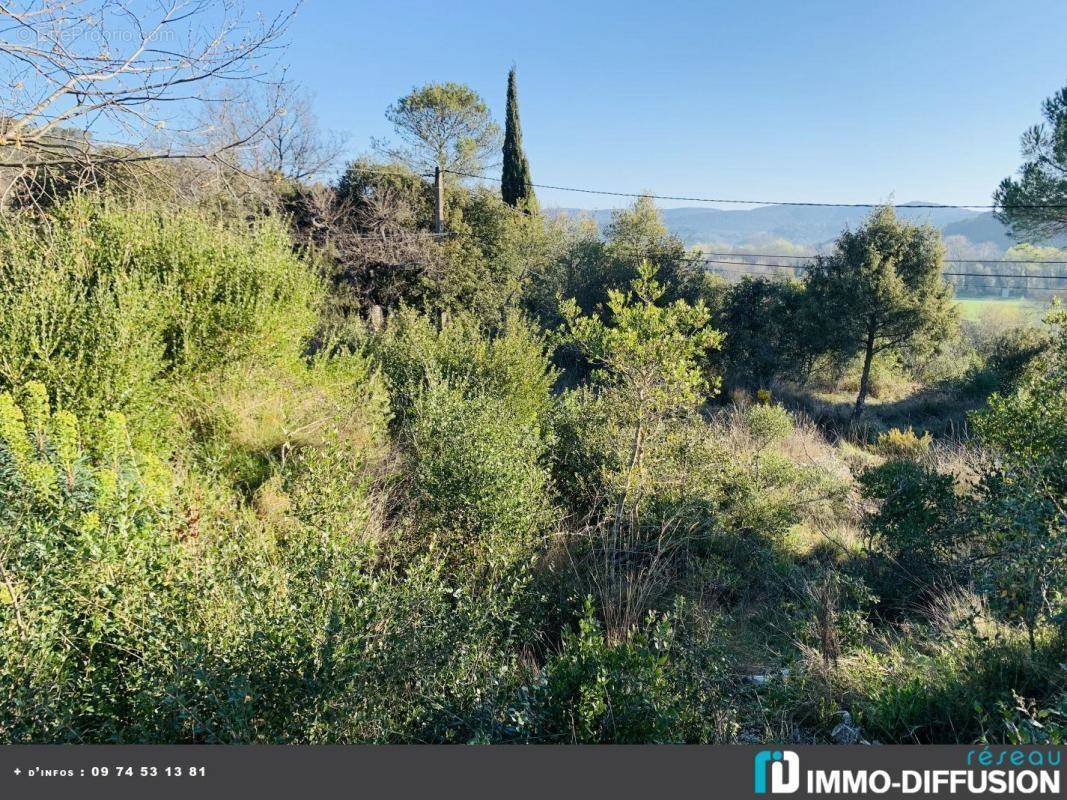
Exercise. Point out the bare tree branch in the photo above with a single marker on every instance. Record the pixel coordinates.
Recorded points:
(100, 81)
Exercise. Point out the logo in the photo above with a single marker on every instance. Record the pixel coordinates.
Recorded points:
(784, 766)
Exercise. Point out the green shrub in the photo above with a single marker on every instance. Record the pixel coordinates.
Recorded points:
(491, 256)
(382, 535)
(91, 559)
(665, 680)
(915, 531)
(472, 412)
(99, 300)
(897, 443)
(1021, 498)
(683, 462)
(511, 363)
(767, 424)
(595, 691)
(478, 482)
(1026, 722)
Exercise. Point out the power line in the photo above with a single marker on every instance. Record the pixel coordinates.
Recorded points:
(756, 202)
(699, 259)
(742, 263)
(969, 276)
(403, 236)
(725, 201)
(1006, 275)
(948, 274)
(947, 260)
(751, 255)
(795, 267)
(388, 173)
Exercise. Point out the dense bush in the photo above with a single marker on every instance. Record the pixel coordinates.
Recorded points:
(663, 682)
(473, 413)
(99, 299)
(478, 480)
(597, 692)
(511, 363)
(1022, 509)
(767, 424)
(915, 532)
(999, 357)
(92, 567)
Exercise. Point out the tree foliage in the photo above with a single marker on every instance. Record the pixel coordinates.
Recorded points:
(650, 358)
(1023, 510)
(767, 325)
(638, 234)
(649, 352)
(880, 289)
(1035, 203)
(515, 185)
(442, 125)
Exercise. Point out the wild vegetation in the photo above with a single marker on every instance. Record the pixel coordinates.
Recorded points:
(279, 464)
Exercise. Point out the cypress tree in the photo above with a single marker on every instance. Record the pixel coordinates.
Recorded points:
(515, 185)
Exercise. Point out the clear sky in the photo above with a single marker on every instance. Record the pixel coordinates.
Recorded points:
(820, 100)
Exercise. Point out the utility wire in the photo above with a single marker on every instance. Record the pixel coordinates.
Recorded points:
(389, 173)
(1006, 275)
(953, 274)
(404, 236)
(947, 260)
(699, 259)
(801, 203)
(755, 202)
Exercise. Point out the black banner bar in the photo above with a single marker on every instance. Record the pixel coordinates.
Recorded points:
(613, 772)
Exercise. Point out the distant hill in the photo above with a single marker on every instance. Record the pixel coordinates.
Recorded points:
(806, 225)
(980, 229)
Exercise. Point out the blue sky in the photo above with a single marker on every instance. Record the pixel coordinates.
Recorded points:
(805, 100)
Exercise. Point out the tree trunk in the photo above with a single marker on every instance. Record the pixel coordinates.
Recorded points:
(865, 376)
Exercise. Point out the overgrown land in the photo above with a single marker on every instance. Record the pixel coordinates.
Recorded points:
(279, 463)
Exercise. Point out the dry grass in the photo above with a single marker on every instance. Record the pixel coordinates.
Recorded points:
(829, 504)
(266, 407)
